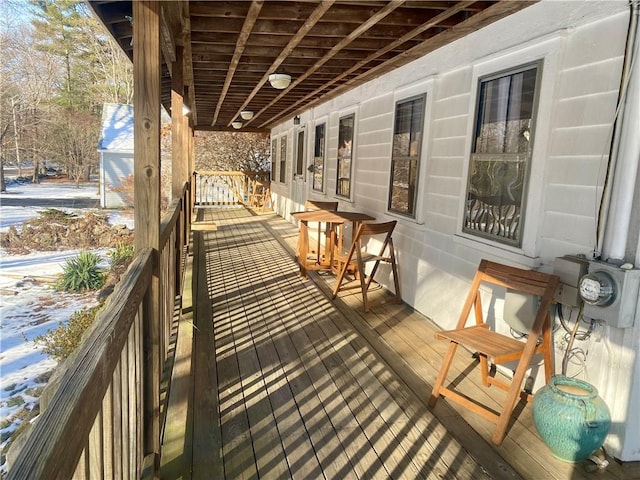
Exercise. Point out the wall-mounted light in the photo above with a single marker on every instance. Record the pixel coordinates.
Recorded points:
(185, 110)
(237, 124)
(279, 81)
(296, 120)
(246, 114)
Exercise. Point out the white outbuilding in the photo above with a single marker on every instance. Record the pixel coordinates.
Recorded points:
(116, 156)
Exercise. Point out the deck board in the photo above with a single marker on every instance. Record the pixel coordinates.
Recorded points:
(289, 384)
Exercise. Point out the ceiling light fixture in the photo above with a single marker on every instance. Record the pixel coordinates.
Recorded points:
(237, 124)
(279, 81)
(246, 114)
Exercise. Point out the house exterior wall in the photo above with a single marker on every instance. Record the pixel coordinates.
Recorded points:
(578, 92)
(115, 167)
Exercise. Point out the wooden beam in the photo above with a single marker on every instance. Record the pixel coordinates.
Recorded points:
(295, 40)
(243, 37)
(460, 6)
(357, 32)
(168, 43)
(178, 159)
(146, 104)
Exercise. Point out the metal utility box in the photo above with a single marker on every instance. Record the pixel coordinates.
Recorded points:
(622, 287)
(570, 269)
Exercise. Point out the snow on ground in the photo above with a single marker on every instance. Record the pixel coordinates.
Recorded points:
(29, 306)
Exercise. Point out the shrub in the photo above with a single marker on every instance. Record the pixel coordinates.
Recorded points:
(61, 342)
(81, 274)
(121, 255)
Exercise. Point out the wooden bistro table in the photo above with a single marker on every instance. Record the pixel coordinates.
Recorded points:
(335, 232)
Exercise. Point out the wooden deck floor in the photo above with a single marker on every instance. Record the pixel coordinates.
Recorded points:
(286, 383)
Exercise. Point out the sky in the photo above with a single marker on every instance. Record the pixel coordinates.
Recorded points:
(29, 306)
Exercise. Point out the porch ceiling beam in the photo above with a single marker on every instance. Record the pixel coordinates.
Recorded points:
(243, 37)
(357, 32)
(189, 94)
(168, 43)
(408, 36)
(315, 16)
(327, 46)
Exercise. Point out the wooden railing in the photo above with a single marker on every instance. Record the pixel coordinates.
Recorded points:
(94, 426)
(224, 188)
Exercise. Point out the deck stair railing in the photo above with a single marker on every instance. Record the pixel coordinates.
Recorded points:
(214, 188)
(219, 188)
(97, 423)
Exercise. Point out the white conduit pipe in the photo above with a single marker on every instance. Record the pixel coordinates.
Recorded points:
(627, 155)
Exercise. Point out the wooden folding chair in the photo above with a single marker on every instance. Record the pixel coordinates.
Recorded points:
(345, 262)
(311, 205)
(501, 348)
(260, 194)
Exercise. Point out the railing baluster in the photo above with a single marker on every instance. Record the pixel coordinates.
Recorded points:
(107, 431)
(96, 449)
(124, 368)
(139, 392)
(117, 422)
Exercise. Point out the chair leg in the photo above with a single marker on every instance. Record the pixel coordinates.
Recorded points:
(547, 340)
(342, 271)
(442, 374)
(363, 285)
(484, 369)
(394, 267)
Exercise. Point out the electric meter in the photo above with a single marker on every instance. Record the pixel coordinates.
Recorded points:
(597, 288)
(610, 293)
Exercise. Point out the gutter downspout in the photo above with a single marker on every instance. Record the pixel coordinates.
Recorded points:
(625, 152)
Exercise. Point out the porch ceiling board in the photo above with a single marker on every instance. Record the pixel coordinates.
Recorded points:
(327, 46)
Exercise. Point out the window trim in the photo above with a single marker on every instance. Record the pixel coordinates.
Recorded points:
(274, 159)
(528, 157)
(352, 169)
(300, 150)
(323, 189)
(413, 214)
(423, 87)
(547, 53)
(282, 174)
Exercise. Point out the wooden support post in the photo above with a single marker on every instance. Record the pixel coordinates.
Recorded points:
(178, 137)
(146, 104)
(178, 156)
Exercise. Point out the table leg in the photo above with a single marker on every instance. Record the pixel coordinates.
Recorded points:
(303, 247)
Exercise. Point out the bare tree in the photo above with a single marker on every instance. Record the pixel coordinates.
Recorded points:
(246, 152)
(29, 78)
(76, 134)
(64, 58)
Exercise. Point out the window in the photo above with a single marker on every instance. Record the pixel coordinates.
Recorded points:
(318, 158)
(407, 142)
(283, 159)
(501, 155)
(274, 157)
(300, 154)
(345, 152)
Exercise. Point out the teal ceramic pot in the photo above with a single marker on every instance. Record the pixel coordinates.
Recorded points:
(572, 420)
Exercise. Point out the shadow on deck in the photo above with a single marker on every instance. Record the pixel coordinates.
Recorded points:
(285, 383)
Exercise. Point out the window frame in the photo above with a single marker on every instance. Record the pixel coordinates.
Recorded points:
(548, 53)
(274, 158)
(411, 213)
(338, 191)
(282, 165)
(507, 157)
(300, 150)
(319, 158)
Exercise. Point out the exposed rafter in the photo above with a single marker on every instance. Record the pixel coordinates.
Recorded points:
(327, 46)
